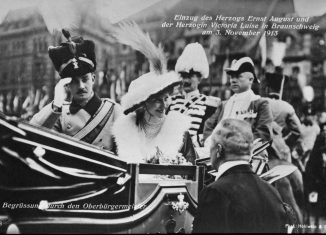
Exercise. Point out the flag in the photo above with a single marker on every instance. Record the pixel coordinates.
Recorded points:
(9, 102)
(16, 102)
(225, 65)
(278, 52)
(1, 103)
(263, 50)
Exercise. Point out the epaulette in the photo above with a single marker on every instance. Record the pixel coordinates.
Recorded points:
(212, 101)
(109, 100)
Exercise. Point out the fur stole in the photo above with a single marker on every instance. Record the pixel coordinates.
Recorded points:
(134, 147)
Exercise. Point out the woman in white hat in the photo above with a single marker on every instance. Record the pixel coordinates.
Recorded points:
(146, 134)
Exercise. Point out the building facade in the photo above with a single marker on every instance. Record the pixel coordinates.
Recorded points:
(26, 70)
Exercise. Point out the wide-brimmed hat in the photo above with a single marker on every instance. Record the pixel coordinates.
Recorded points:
(76, 57)
(145, 87)
(193, 60)
(244, 64)
(150, 84)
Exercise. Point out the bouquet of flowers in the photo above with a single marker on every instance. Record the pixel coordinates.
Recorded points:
(160, 158)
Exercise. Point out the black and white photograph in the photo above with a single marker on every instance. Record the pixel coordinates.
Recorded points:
(162, 116)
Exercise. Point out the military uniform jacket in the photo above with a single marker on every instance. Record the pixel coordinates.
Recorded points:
(240, 202)
(258, 114)
(284, 118)
(91, 124)
(200, 107)
(284, 115)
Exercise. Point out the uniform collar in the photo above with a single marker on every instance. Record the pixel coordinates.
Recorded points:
(91, 107)
(273, 95)
(243, 95)
(227, 165)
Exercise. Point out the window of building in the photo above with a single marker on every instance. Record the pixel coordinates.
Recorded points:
(40, 44)
(23, 46)
(45, 44)
(13, 47)
(22, 68)
(18, 48)
(307, 41)
(35, 49)
(4, 49)
(5, 77)
(13, 74)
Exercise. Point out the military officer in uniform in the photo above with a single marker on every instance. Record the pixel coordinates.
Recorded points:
(244, 104)
(287, 131)
(193, 66)
(86, 116)
(286, 124)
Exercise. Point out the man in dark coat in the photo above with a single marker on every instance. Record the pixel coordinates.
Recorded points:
(238, 201)
(244, 104)
(316, 174)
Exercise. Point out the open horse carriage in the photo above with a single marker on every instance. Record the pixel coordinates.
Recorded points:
(51, 183)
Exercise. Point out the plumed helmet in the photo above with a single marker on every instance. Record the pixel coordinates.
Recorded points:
(75, 57)
(193, 59)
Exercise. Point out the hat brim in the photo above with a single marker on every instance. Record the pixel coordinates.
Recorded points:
(71, 71)
(142, 103)
(230, 71)
(147, 86)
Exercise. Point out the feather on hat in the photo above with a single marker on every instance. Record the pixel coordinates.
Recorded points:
(193, 58)
(149, 84)
(75, 57)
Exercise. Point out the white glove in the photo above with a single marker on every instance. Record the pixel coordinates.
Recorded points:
(60, 92)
